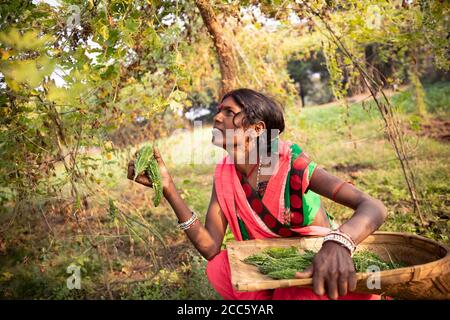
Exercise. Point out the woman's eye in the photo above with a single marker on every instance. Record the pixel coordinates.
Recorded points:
(229, 112)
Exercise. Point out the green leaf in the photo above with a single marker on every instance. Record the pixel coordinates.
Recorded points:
(30, 40)
(131, 25)
(104, 32)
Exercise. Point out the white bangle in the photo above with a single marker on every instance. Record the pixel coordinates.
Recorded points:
(341, 238)
(187, 224)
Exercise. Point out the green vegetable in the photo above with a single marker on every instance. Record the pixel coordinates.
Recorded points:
(146, 162)
(144, 156)
(283, 263)
(283, 274)
(364, 259)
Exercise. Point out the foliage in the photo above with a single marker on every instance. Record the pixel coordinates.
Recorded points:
(344, 44)
(67, 84)
(305, 71)
(397, 31)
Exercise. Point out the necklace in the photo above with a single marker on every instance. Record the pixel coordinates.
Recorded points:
(257, 176)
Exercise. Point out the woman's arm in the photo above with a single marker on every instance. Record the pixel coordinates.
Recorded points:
(369, 213)
(206, 239)
(333, 270)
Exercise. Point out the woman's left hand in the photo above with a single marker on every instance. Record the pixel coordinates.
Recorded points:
(332, 271)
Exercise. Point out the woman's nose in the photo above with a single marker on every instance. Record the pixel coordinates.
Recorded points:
(218, 117)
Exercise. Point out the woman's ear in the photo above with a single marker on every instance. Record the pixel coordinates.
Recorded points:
(260, 127)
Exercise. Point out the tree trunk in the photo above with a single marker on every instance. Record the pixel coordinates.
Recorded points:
(227, 62)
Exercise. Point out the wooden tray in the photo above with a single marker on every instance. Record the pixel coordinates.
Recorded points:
(426, 277)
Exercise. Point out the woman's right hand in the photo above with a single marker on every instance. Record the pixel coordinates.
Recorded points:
(144, 179)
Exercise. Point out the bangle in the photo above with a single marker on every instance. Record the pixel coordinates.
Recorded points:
(345, 234)
(187, 224)
(341, 238)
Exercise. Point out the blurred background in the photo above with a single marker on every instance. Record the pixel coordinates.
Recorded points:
(84, 84)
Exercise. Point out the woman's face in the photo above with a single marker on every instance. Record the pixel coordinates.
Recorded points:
(228, 130)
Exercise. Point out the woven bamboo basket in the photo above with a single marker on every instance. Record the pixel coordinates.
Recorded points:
(427, 275)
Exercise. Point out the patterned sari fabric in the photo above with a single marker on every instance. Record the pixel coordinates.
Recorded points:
(286, 210)
(287, 207)
(294, 214)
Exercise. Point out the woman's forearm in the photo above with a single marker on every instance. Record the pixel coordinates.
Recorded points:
(368, 217)
(197, 234)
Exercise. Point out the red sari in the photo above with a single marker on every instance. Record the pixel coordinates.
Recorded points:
(262, 219)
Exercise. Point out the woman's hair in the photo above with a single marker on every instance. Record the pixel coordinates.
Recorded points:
(258, 107)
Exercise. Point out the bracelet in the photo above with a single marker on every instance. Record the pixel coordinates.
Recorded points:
(187, 224)
(341, 238)
(345, 234)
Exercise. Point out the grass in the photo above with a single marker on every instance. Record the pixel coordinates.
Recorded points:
(141, 254)
(370, 162)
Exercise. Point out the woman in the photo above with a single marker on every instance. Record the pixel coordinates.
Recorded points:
(275, 195)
